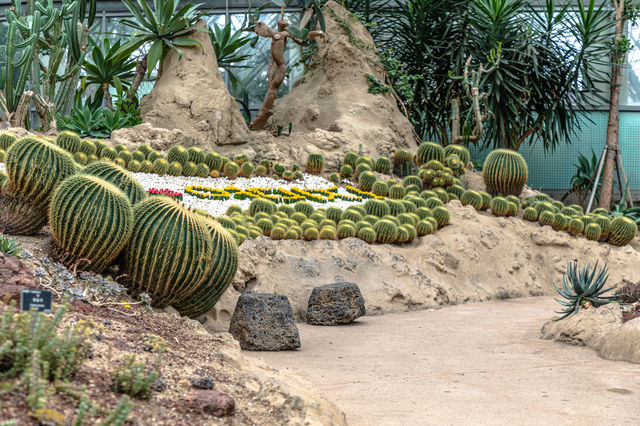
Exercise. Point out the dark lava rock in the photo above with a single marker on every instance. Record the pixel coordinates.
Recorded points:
(211, 402)
(264, 322)
(202, 383)
(335, 304)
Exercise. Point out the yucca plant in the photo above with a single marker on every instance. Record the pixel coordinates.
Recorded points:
(582, 287)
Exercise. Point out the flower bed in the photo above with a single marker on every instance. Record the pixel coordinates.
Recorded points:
(166, 192)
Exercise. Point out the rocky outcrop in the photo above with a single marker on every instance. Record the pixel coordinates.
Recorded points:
(190, 95)
(477, 257)
(335, 304)
(601, 329)
(333, 96)
(264, 322)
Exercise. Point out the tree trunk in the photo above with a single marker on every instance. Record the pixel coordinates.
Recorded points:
(141, 70)
(618, 60)
(107, 96)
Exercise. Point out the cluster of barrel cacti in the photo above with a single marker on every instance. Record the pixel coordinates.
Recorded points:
(100, 212)
(598, 225)
(376, 220)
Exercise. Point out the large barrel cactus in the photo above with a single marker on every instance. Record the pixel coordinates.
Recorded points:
(119, 177)
(91, 221)
(169, 253)
(221, 271)
(35, 167)
(428, 151)
(17, 217)
(504, 172)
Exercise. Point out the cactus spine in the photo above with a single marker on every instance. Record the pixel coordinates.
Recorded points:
(178, 153)
(500, 206)
(315, 162)
(91, 220)
(428, 151)
(593, 231)
(472, 198)
(386, 231)
(118, 177)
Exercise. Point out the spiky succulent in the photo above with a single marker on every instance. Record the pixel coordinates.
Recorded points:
(118, 177)
(315, 162)
(366, 181)
(581, 287)
(383, 165)
(428, 151)
(178, 153)
(160, 166)
(346, 171)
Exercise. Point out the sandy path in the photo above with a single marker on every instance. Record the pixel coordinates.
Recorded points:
(469, 364)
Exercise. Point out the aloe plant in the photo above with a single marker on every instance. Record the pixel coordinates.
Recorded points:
(581, 287)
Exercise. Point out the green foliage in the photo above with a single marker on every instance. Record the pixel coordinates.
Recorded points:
(133, 378)
(581, 287)
(227, 47)
(165, 27)
(375, 86)
(172, 270)
(10, 246)
(504, 172)
(107, 68)
(91, 222)
(623, 231)
(118, 177)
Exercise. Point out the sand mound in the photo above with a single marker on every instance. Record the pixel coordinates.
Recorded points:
(329, 108)
(478, 257)
(333, 95)
(601, 329)
(191, 96)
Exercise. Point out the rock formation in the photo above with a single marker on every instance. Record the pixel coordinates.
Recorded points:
(191, 96)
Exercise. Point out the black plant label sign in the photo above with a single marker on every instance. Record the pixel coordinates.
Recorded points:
(38, 300)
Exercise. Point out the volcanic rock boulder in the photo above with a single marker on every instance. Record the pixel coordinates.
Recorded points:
(332, 99)
(335, 304)
(191, 95)
(264, 322)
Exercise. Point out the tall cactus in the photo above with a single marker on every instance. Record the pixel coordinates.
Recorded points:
(58, 34)
(169, 253)
(90, 220)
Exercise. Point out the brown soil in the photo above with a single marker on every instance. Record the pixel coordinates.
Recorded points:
(262, 395)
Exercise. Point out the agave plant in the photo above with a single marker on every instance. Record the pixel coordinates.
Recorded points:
(10, 246)
(580, 288)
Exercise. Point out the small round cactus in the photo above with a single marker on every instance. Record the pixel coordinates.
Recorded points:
(231, 170)
(366, 181)
(213, 161)
(386, 231)
(138, 156)
(575, 226)
(345, 230)
(380, 188)
(397, 192)
(623, 231)
(261, 205)
(175, 169)
(382, 165)
(189, 168)
(240, 158)
(593, 231)
(109, 152)
(560, 222)
(513, 209)
(303, 207)
(530, 214)
(547, 218)
(328, 233)
(472, 198)
(134, 166)
(202, 170)
(434, 202)
(499, 206)
(401, 158)
(605, 225)
(160, 166)
(311, 233)
(315, 163)
(367, 234)
(246, 169)
(196, 155)
(80, 158)
(461, 151)
(442, 216)
(424, 227)
(146, 166)
(346, 171)
(178, 153)
(69, 141)
(376, 207)
(125, 155)
(412, 180)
